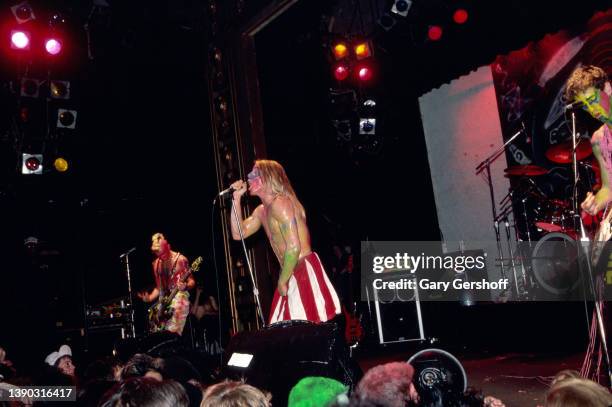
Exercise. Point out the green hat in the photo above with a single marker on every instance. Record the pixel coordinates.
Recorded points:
(315, 391)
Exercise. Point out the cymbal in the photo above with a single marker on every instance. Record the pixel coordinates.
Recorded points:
(562, 152)
(525, 170)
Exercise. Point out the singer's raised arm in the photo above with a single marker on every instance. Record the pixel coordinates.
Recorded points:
(249, 225)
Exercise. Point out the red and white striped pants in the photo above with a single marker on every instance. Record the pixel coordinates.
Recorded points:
(310, 295)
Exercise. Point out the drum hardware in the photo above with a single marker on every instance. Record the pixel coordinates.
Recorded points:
(485, 167)
(562, 153)
(525, 171)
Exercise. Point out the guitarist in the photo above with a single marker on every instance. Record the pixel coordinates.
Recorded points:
(590, 87)
(169, 268)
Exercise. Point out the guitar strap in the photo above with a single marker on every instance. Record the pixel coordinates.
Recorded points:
(163, 275)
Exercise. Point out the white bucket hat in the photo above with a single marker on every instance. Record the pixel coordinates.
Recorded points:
(64, 350)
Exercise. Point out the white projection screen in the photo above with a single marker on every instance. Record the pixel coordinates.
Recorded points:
(462, 128)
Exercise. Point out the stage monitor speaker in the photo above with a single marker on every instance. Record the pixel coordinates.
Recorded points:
(398, 311)
(277, 357)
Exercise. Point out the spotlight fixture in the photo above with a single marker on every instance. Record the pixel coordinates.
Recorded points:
(343, 129)
(362, 50)
(20, 39)
(367, 125)
(59, 89)
(364, 73)
(401, 7)
(22, 12)
(434, 33)
(66, 118)
(387, 21)
(460, 16)
(31, 164)
(60, 164)
(340, 50)
(53, 46)
(30, 87)
(341, 72)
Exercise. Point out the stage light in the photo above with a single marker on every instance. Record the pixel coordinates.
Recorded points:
(387, 21)
(460, 16)
(434, 32)
(31, 164)
(60, 164)
(367, 125)
(343, 129)
(30, 87)
(22, 12)
(59, 89)
(20, 39)
(364, 73)
(401, 7)
(53, 46)
(66, 118)
(341, 72)
(362, 50)
(340, 50)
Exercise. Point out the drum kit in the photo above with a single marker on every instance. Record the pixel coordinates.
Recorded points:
(544, 225)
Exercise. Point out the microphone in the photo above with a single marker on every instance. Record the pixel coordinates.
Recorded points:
(227, 191)
(128, 252)
(574, 104)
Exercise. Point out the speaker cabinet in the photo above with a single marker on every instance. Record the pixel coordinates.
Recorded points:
(277, 357)
(398, 311)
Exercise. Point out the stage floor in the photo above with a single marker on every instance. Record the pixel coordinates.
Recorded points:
(520, 380)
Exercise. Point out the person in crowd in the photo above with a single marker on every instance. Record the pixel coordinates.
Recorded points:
(145, 392)
(143, 365)
(62, 360)
(235, 394)
(576, 392)
(314, 391)
(388, 385)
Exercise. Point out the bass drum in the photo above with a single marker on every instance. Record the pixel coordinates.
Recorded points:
(555, 266)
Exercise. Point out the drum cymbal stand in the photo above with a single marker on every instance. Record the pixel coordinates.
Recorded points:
(485, 167)
(586, 267)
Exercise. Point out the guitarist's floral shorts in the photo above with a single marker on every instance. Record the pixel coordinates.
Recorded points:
(180, 307)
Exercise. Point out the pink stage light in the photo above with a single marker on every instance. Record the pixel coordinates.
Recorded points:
(53, 46)
(20, 40)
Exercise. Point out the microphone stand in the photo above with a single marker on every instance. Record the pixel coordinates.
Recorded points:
(485, 165)
(584, 244)
(249, 267)
(126, 255)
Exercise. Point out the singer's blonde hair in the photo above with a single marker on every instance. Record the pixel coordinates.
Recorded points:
(274, 176)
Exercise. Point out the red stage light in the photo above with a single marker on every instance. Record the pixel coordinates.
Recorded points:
(364, 73)
(53, 46)
(460, 16)
(341, 72)
(32, 164)
(434, 33)
(20, 40)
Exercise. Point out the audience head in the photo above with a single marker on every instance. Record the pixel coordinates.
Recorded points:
(62, 360)
(146, 392)
(234, 394)
(316, 392)
(388, 385)
(565, 374)
(574, 392)
(142, 365)
(106, 369)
